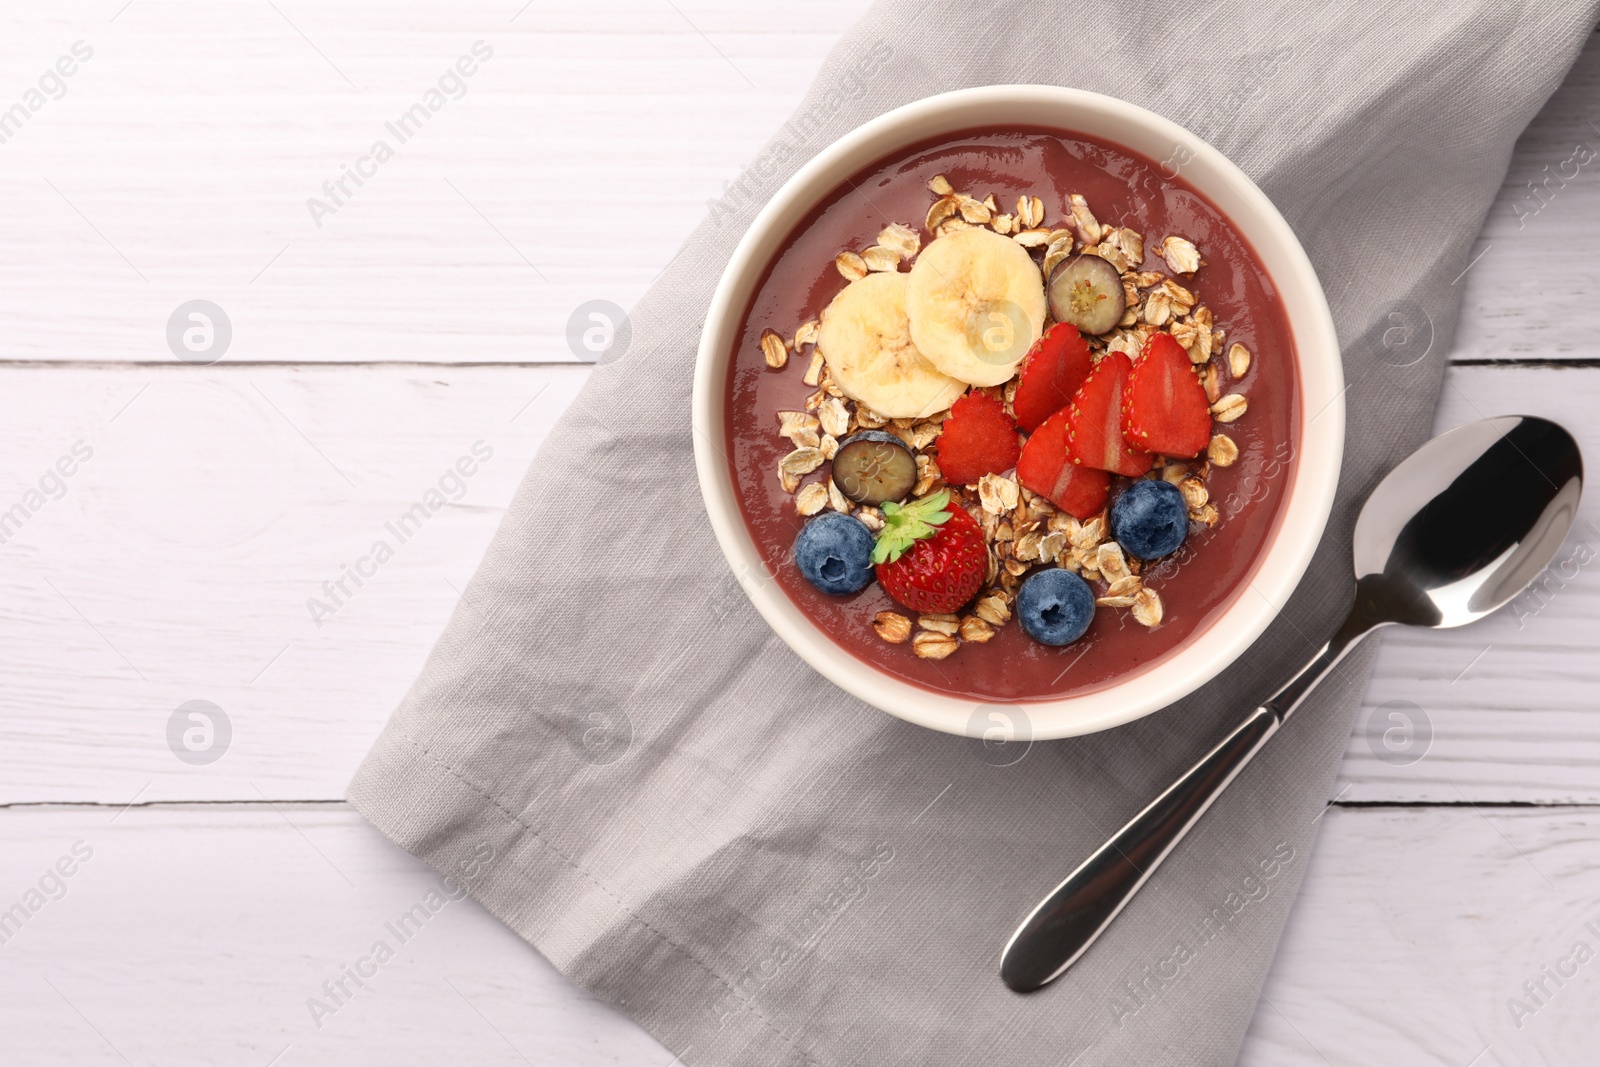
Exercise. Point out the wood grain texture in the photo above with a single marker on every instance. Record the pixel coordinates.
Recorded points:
(180, 562)
(473, 244)
(1529, 291)
(1415, 928)
(197, 935)
(180, 162)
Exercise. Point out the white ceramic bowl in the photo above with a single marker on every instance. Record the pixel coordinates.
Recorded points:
(1317, 452)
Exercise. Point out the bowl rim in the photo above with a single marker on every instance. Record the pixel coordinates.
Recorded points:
(1318, 453)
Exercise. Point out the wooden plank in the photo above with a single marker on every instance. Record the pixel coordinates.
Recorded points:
(1415, 931)
(215, 507)
(198, 934)
(1529, 294)
(475, 245)
(179, 560)
(570, 167)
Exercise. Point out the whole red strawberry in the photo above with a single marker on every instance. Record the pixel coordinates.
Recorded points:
(930, 557)
(978, 438)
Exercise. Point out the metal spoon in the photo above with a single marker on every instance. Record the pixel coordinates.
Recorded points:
(1453, 533)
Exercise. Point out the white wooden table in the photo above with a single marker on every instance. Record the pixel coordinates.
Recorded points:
(427, 312)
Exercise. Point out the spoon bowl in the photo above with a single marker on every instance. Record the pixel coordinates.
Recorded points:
(1497, 498)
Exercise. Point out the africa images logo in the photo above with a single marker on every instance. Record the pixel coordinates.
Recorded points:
(450, 487)
(451, 85)
(353, 978)
(52, 85)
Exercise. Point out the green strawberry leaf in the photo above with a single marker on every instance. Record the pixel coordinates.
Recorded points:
(906, 524)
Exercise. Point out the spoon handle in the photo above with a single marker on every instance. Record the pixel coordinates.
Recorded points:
(1066, 922)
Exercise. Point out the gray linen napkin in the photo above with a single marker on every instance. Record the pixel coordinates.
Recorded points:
(689, 822)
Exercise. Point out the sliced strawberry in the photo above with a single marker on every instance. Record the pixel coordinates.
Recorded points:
(978, 438)
(1164, 406)
(1094, 421)
(1053, 369)
(1044, 469)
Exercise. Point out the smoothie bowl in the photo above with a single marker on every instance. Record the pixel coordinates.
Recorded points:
(993, 411)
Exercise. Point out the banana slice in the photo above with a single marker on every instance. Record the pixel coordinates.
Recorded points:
(976, 302)
(865, 339)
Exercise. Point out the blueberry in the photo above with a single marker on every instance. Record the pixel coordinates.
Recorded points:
(1150, 519)
(1055, 606)
(834, 552)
